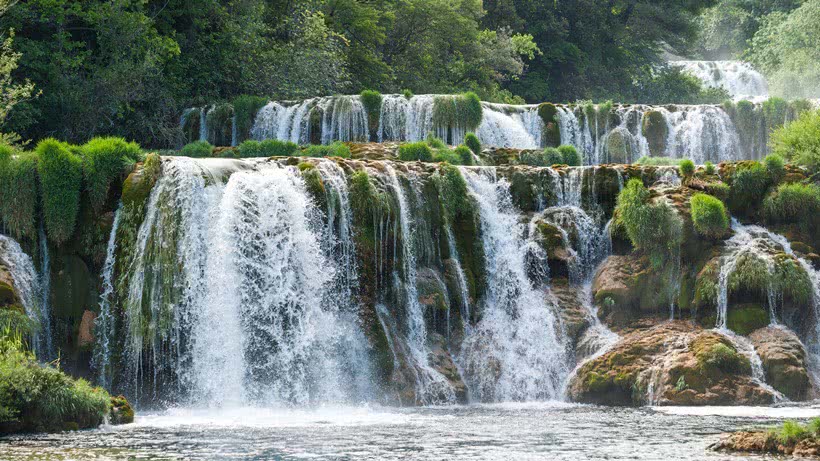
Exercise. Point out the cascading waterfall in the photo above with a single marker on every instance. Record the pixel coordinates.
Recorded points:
(47, 346)
(516, 351)
(736, 77)
(28, 288)
(510, 126)
(104, 326)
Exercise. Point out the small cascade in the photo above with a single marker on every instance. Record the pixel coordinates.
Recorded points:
(345, 119)
(510, 126)
(203, 123)
(702, 133)
(745, 347)
(464, 293)
(104, 326)
(738, 78)
(27, 285)
(517, 349)
(47, 352)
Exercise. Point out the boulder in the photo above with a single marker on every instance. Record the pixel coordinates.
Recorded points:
(85, 337)
(784, 361)
(673, 363)
(655, 130)
(619, 146)
(121, 411)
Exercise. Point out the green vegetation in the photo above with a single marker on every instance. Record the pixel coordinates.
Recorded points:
(709, 168)
(745, 319)
(435, 142)
(654, 228)
(447, 155)
(106, 162)
(799, 141)
(775, 166)
(61, 175)
(794, 204)
(245, 108)
(18, 192)
(197, 149)
(570, 155)
(415, 151)
(336, 149)
(471, 141)
(709, 216)
(372, 101)
(465, 155)
(686, 168)
(552, 156)
(659, 161)
(722, 357)
(463, 111)
(749, 185)
(792, 432)
(267, 148)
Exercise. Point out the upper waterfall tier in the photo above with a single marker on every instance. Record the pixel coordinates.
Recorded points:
(740, 79)
(603, 133)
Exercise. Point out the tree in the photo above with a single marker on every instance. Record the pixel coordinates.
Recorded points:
(12, 92)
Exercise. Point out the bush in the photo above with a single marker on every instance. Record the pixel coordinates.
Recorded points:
(471, 141)
(415, 151)
(245, 108)
(106, 161)
(749, 185)
(336, 149)
(709, 168)
(532, 158)
(435, 142)
(570, 155)
(709, 216)
(465, 155)
(407, 94)
(686, 168)
(799, 141)
(197, 149)
(250, 149)
(775, 166)
(462, 111)
(61, 176)
(446, 155)
(653, 228)
(372, 102)
(794, 204)
(791, 432)
(18, 192)
(552, 156)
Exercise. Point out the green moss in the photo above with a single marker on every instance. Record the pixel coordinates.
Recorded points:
(619, 146)
(709, 216)
(315, 186)
(245, 109)
(138, 185)
(720, 190)
(549, 115)
(472, 142)
(446, 155)
(659, 161)
(747, 318)
(220, 124)
(121, 411)
(791, 279)
(372, 101)
(533, 158)
(106, 160)
(750, 276)
(18, 193)
(415, 151)
(197, 149)
(570, 155)
(775, 111)
(61, 178)
(465, 155)
(719, 355)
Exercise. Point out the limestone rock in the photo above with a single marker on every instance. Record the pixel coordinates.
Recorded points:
(784, 361)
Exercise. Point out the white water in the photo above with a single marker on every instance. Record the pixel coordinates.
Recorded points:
(28, 288)
(105, 324)
(510, 126)
(516, 351)
(46, 351)
(737, 77)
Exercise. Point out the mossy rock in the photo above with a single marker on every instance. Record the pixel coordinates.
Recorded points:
(619, 146)
(716, 355)
(552, 133)
(121, 411)
(71, 286)
(137, 186)
(655, 131)
(7, 294)
(746, 318)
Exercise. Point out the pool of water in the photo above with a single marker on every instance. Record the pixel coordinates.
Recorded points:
(484, 432)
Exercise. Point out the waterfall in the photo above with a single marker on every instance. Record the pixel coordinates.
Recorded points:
(517, 350)
(230, 274)
(27, 286)
(203, 123)
(47, 346)
(702, 133)
(345, 119)
(104, 326)
(510, 126)
(461, 279)
(738, 78)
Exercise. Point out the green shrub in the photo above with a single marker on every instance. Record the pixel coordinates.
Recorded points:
(250, 149)
(106, 160)
(336, 149)
(799, 141)
(709, 168)
(197, 149)
(532, 158)
(463, 111)
(245, 108)
(415, 151)
(18, 192)
(725, 359)
(709, 216)
(570, 155)
(791, 432)
(814, 426)
(268, 148)
(435, 142)
(552, 156)
(220, 124)
(372, 102)
(749, 185)
(720, 190)
(446, 155)
(653, 228)
(465, 155)
(775, 111)
(794, 204)
(775, 166)
(686, 168)
(61, 176)
(471, 141)
(407, 94)
(455, 198)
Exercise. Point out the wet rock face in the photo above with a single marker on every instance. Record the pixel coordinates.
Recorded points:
(784, 361)
(7, 294)
(674, 363)
(626, 288)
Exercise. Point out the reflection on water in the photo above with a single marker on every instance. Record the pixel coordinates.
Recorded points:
(487, 432)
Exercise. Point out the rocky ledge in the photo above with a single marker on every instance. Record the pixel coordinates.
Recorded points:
(769, 442)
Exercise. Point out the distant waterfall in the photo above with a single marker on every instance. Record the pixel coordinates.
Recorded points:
(231, 295)
(736, 77)
(29, 291)
(516, 351)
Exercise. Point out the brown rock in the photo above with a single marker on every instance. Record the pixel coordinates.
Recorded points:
(784, 361)
(86, 334)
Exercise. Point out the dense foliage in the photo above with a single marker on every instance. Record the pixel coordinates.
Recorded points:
(799, 141)
(61, 175)
(654, 228)
(105, 161)
(794, 204)
(709, 216)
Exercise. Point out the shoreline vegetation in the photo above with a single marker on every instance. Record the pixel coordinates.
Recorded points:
(790, 438)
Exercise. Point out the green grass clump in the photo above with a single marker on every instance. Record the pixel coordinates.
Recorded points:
(435, 142)
(106, 160)
(18, 191)
(749, 185)
(799, 141)
(465, 155)
(245, 108)
(532, 158)
(709, 216)
(471, 141)
(570, 155)
(61, 177)
(686, 168)
(197, 149)
(653, 228)
(462, 111)
(775, 166)
(658, 161)
(794, 204)
(372, 102)
(336, 149)
(775, 112)
(709, 168)
(552, 156)
(791, 432)
(446, 155)
(36, 397)
(415, 151)
(407, 94)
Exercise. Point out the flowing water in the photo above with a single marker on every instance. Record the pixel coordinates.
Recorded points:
(27, 284)
(736, 77)
(481, 432)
